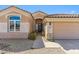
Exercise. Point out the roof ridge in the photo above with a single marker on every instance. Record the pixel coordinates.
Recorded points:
(40, 11)
(17, 8)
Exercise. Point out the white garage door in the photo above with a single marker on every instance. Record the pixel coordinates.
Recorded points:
(66, 30)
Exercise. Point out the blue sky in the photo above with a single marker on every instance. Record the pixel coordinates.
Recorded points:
(50, 9)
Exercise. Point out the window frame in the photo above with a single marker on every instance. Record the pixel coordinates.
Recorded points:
(14, 21)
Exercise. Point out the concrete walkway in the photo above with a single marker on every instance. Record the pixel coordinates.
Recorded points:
(46, 46)
(41, 42)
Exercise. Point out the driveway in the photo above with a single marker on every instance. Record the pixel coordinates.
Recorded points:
(70, 45)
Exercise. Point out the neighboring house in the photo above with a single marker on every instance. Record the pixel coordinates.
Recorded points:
(17, 23)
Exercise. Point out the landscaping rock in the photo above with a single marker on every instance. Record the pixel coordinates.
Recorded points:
(38, 43)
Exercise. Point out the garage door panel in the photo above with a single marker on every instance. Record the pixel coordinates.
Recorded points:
(66, 30)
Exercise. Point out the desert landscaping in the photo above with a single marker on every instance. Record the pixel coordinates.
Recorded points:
(25, 46)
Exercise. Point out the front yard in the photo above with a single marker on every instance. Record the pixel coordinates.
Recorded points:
(23, 46)
(15, 45)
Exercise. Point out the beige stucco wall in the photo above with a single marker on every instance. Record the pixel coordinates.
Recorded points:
(13, 35)
(38, 15)
(24, 19)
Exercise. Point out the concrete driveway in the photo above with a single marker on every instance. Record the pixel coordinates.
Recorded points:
(70, 45)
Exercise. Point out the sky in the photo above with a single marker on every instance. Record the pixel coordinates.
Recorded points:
(49, 9)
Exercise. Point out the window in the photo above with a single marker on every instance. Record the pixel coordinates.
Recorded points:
(14, 23)
(11, 25)
(17, 25)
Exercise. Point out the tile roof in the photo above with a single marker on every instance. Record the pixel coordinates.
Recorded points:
(63, 16)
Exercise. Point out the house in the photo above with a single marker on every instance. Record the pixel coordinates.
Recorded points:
(17, 23)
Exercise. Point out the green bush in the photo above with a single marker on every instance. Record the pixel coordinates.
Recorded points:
(32, 36)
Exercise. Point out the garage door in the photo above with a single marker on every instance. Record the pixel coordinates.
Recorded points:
(66, 30)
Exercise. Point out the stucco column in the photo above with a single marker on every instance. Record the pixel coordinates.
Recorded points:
(46, 30)
(49, 31)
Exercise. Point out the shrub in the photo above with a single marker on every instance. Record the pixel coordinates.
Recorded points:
(32, 36)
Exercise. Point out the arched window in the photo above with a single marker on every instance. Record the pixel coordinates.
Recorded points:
(14, 23)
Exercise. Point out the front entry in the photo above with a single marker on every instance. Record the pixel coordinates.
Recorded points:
(40, 27)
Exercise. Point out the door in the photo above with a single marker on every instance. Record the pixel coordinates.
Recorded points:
(40, 27)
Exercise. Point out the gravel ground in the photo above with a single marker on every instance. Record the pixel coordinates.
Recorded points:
(16, 45)
(24, 47)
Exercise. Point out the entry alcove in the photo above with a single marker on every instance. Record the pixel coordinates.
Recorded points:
(39, 25)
